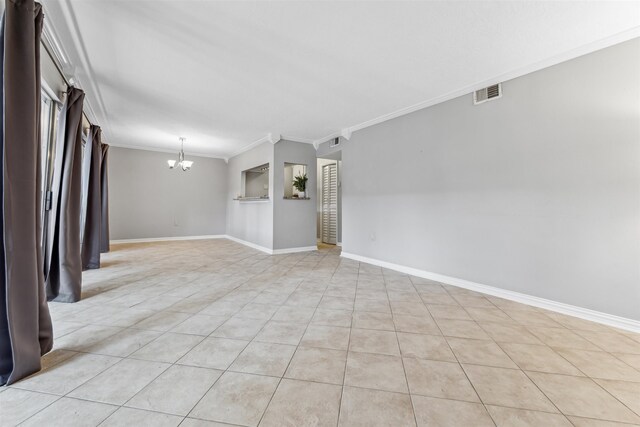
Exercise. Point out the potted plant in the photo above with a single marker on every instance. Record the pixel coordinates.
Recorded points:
(300, 183)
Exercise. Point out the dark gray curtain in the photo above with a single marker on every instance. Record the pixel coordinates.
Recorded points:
(63, 264)
(93, 210)
(25, 324)
(104, 186)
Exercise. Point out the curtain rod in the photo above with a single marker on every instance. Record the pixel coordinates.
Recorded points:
(59, 69)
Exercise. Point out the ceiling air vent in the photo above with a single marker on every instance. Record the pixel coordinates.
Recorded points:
(487, 94)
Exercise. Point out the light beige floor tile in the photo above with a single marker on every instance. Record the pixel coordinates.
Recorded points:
(480, 314)
(199, 324)
(575, 323)
(480, 352)
(375, 408)
(264, 359)
(409, 308)
(54, 357)
(370, 320)
(17, 405)
(293, 314)
(425, 347)
(612, 342)
(532, 318)
(511, 333)
(461, 329)
(192, 422)
(84, 338)
(303, 403)
(598, 364)
(632, 360)
(473, 301)
(123, 343)
(62, 328)
(375, 371)
(257, 311)
(582, 397)
(507, 387)
(162, 321)
(332, 318)
(239, 328)
(453, 312)
(416, 324)
(372, 341)
(215, 353)
(69, 374)
(168, 348)
(625, 391)
(281, 333)
(378, 305)
(438, 379)
(176, 391)
(332, 337)
(449, 413)
(438, 299)
(127, 417)
(562, 338)
(336, 303)
(591, 422)
(119, 383)
(318, 364)
(510, 417)
(237, 399)
(539, 358)
(68, 412)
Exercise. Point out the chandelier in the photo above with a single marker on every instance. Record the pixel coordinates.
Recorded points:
(181, 163)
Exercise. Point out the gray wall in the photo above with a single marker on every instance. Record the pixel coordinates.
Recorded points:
(537, 192)
(250, 221)
(147, 199)
(255, 183)
(294, 221)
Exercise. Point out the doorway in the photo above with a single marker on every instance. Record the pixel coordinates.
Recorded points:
(329, 230)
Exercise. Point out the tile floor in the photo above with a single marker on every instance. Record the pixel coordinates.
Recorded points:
(211, 333)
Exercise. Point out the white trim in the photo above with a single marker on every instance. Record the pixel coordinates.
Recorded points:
(571, 310)
(164, 150)
(167, 239)
(272, 251)
(510, 75)
(250, 146)
(339, 244)
(296, 139)
(294, 250)
(249, 244)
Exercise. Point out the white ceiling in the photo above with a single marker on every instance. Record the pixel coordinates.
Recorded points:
(226, 73)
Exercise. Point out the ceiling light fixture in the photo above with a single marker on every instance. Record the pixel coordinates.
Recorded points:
(181, 163)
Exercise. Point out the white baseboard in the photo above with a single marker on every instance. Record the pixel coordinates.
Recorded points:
(251, 245)
(218, 236)
(272, 251)
(167, 239)
(571, 310)
(294, 250)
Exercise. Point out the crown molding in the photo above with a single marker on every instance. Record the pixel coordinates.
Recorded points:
(510, 75)
(95, 111)
(166, 150)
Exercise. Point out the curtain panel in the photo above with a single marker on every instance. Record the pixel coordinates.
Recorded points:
(63, 263)
(104, 187)
(25, 324)
(92, 231)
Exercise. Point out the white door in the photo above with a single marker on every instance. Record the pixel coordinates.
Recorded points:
(330, 203)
